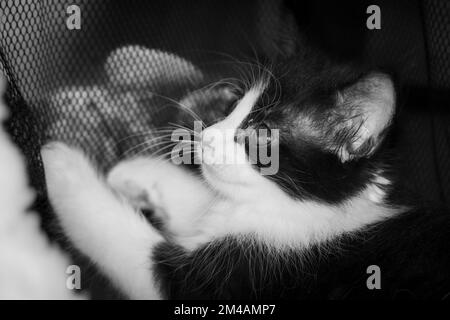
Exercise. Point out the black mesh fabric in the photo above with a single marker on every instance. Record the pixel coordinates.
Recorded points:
(99, 87)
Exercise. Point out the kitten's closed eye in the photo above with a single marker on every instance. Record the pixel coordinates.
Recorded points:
(263, 135)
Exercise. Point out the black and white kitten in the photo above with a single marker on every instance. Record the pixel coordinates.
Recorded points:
(308, 230)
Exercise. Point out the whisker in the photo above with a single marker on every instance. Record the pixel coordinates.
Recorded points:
(179, 126)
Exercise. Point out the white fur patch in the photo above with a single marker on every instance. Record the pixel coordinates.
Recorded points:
(178, 197)
(197, 215)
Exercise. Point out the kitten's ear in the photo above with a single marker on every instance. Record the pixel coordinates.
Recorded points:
(362, 116)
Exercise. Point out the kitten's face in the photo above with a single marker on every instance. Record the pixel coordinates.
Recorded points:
(318, 127)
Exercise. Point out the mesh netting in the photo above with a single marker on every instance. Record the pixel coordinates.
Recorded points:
(122, 72)
(105, 86)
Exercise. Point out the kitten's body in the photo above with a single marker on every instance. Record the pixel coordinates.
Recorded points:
(311, 230)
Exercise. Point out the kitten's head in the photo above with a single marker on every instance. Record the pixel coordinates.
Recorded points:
(313, 129)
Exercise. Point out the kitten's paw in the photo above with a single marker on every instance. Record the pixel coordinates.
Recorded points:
(65, 166)
(142, 195)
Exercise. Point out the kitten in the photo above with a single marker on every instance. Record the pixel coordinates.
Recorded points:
(308, 229)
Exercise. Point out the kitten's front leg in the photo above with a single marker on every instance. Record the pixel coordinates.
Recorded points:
(102, 226)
